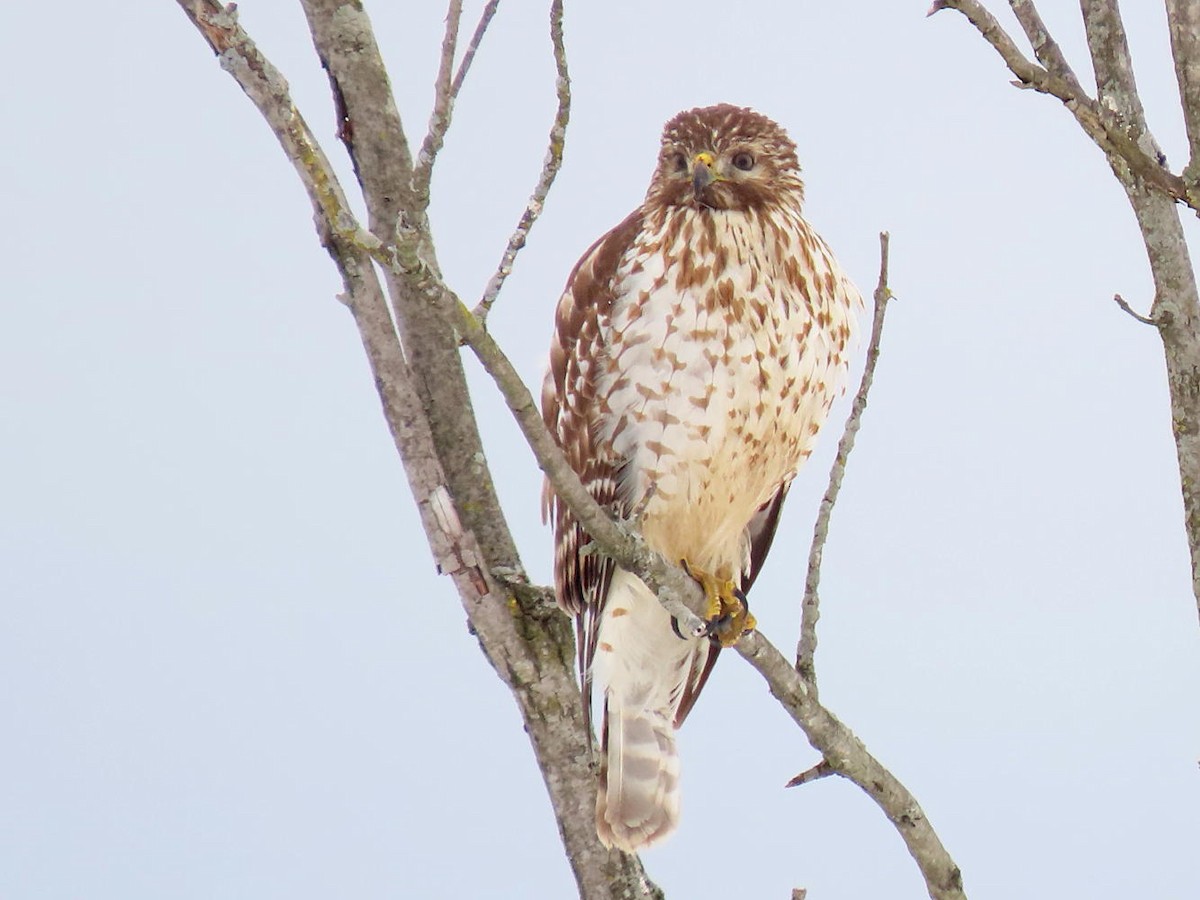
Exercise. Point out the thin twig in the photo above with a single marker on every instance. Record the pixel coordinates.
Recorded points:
(821, 770)
(443, 105)
(553, 162)
(485, 19)
(447, 90)
(811, 605)
(1145, 320)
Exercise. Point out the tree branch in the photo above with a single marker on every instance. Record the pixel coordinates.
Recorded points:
(676, 590)
(821, 770)
(796, 687)
(1145, 320)
(528, 641)
(811, 604)
(1183, 19)
(848, 757)
(550, 167)
(843, 752)
(553, 727)
(346, 45)
(443, 105)
(1045, 48)
(1102, 125)
(1116, 86)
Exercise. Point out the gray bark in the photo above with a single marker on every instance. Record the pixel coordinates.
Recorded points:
(1115, 121)
(419, 377)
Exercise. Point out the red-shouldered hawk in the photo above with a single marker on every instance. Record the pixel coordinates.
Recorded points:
(697, 350)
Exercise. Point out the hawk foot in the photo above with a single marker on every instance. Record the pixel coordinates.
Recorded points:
(726, 610)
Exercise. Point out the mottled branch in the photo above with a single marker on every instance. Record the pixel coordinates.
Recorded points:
(847, 756)
(443, 105)
(531, 651)
(811, 605)
(1110, 131)
(481, 27)
(1116, 86)
(842, 752)
(796, 687)
(679, 593)
(1183, 19)
(550, 167)
(1145, 320)
(1045, 48)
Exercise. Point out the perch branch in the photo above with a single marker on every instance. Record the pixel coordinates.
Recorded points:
(838, 746)
(847, 756)
(811, 605)
(840, 749)
(550, 167)
(796, 686)
(677, 591)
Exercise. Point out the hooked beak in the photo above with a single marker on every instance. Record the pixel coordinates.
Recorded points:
(703, 173)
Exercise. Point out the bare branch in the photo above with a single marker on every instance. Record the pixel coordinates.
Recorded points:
(485, 19)
(1183, 19)
(843, 752)
(1116, 87)
(531, 652)
(811, 605)
(848, 757)
(446, 91)
(1105, 128)
(553, 162)
(464, 558)
(1145, 320)
(677, 591)
(443, 106)
(268, 90)
(1046, 49)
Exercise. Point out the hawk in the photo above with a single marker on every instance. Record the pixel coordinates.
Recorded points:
(698, 347)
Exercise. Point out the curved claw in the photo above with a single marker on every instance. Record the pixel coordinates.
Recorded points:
(728, 613)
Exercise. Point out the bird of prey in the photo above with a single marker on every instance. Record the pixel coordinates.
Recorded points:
(698, 347)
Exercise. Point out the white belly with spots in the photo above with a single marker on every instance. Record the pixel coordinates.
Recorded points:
(715, 389)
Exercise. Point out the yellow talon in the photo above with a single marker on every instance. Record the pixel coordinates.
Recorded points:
(725, 611)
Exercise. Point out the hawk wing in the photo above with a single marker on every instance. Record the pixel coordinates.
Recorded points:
(573, 412)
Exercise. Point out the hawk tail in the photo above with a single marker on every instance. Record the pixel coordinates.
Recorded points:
(638, 799)
(645, 670)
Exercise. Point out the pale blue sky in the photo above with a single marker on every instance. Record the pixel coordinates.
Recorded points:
(227, 667)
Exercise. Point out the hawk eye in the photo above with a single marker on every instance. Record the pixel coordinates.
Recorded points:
(743, 161)
(679, 162)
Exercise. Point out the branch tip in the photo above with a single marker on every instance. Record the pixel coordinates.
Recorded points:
(821, 770)
(810, 607)
(1145, 320)
(550, 167)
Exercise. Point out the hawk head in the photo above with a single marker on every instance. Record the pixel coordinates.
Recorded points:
(725, 157)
